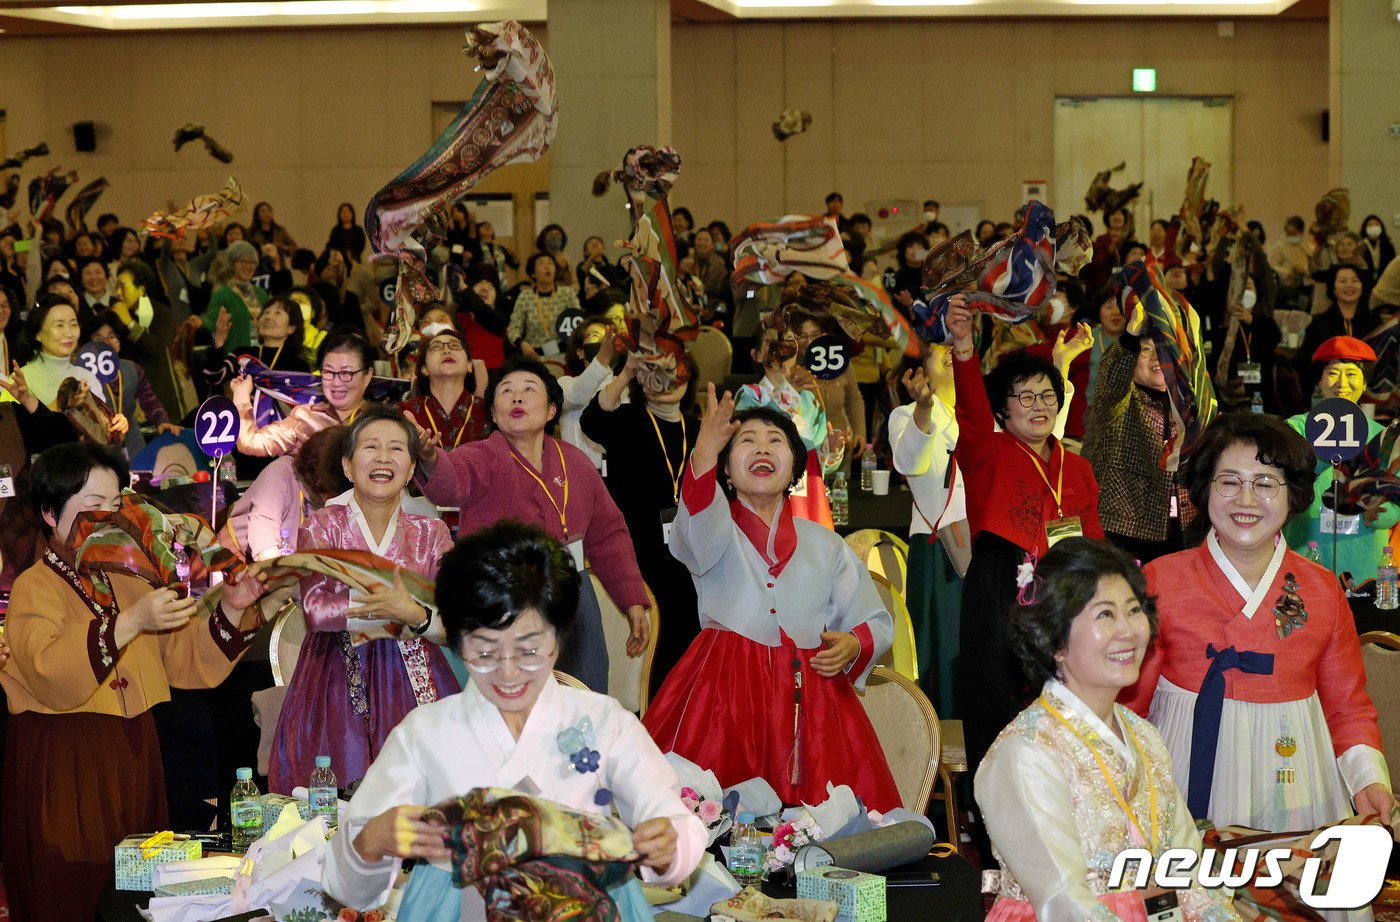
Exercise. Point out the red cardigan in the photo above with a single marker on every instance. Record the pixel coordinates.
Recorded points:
(1006, 494)
(484, 479)
(1197, 605)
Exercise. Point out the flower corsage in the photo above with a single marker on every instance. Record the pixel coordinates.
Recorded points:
(577, 744)
(789, 837)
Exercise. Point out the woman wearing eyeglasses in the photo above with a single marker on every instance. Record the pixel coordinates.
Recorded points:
(1256, 680)
(347, 364)
(1024, 492)
(368, 660)
(447, 390)
(508, 593)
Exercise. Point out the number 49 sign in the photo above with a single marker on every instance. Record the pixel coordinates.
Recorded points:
(1337, 429)
(216, 426)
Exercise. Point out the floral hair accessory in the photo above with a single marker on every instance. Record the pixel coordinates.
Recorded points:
(577, 744)
(1027, 587)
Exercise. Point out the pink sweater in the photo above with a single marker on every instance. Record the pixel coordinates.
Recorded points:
(489, 484)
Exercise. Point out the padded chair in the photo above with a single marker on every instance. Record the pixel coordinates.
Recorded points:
(563, 678)
(909, 733)
(714, 357)
(284, 647)
(902, 656)
(1381, 652)
(952, 765)
(885, 553)
(629, 680)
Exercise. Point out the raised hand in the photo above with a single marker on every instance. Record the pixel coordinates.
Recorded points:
(242, 389)
(919, 386)
(428, 443)
(18, 388)
(959, 323)
(1065, 351)
(222, 326)
(716, 429)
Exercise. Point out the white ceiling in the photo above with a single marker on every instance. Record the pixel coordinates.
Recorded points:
(299, 13)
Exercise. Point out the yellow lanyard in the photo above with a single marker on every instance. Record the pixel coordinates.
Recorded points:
(539, 309)
(562, 510)
(432, 420)
(1058, 490)
(671, 468)
(1107, 776)
(276, 355)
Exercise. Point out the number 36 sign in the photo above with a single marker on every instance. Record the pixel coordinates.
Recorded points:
(1337, 429)
(216, 426)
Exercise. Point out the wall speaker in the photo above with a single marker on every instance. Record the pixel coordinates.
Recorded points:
(85, 137)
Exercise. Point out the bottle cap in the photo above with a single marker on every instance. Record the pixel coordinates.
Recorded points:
(323, 761)
(1312, 544)
(201, 476)
(1387, 548)
(746, 817)
(244, 774)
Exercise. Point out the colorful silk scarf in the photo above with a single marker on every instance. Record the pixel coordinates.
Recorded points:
(83, 201)
(1172, 324)
(534, 859)
(202, 211)
(18, 160)
(1191, 217)
(1009, 280)
(301, 387)
(46, 190)
(765, 254)
(1384, 379)
(509, 119)
(661, 312)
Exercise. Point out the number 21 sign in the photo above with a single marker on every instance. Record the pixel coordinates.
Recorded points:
(216, 426)
(1337, 429)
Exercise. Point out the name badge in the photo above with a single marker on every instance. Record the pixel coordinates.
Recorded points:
(1333, 524)
(1251, 373)
(1057, 530)
(603, 466)
(800, 489)
(458, 249)
(7, 482)
(576, 551)
(1163, 907)
(668, 518)
(1173, 510)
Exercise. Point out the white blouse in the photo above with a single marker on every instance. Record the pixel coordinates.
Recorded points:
(445, 749)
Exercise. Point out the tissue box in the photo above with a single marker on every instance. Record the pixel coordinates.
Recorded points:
(134, 870)
(218, 886)
(858, 896)
(272, 805)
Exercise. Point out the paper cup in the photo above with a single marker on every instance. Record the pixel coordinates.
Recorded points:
(880, 482)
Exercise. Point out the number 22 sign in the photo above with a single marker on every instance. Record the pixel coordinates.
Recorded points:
(216, 426)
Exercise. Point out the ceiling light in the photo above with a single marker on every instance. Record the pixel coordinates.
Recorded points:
(283, 12)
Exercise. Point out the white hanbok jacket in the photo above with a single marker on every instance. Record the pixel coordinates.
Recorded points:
(444, 749)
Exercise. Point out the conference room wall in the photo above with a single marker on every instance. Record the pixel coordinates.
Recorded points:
(963, 111)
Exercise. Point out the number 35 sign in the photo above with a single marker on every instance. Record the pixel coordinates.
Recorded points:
(1337, 429)
(216, 426)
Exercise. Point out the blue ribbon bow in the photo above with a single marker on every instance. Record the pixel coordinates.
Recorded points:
(1205, 727)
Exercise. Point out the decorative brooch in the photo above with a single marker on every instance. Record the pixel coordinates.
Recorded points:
(1290, 614)
(577, 744)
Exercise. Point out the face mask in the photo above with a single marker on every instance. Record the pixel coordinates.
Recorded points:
(1373, 232)
(553, 244)
(434, 329)
(591, 350)
(919, 254)
(1248, 299)
(930, 216)
(1058, 309)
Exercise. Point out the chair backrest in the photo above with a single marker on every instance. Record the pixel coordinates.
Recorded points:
(903, 656)
(884, 553)
(629, 679)
(284, 646)
(1381, 652)
(909, 733)
(714, 357)
(563, 678)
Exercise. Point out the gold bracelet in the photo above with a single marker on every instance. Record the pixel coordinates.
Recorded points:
(959, 354)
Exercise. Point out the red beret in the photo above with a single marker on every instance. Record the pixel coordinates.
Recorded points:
(1345, 349)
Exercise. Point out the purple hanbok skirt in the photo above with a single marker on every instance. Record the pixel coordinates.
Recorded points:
(319, 716)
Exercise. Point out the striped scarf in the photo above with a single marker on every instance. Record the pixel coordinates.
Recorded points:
(1175, 331)
(509, 119)
(83, 201)
(200, 212)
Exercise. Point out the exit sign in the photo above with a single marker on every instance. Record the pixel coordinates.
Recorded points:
(1144, 79)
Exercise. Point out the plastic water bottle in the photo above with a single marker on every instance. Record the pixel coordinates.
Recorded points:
(840, 500)
(322, 791)
(1257, 404)
(1313, 553)
(245, 811)
(285, 543)
(1387, 582)
(182, 564)
(867, 470)
(745, 851)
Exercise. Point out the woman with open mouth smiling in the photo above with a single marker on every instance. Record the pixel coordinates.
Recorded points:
(790, 622)
(1256, 680)
(369, 659)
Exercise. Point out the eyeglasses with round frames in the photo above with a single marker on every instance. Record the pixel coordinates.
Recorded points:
(1229, 485)
(344, 377)
(1045, 398)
